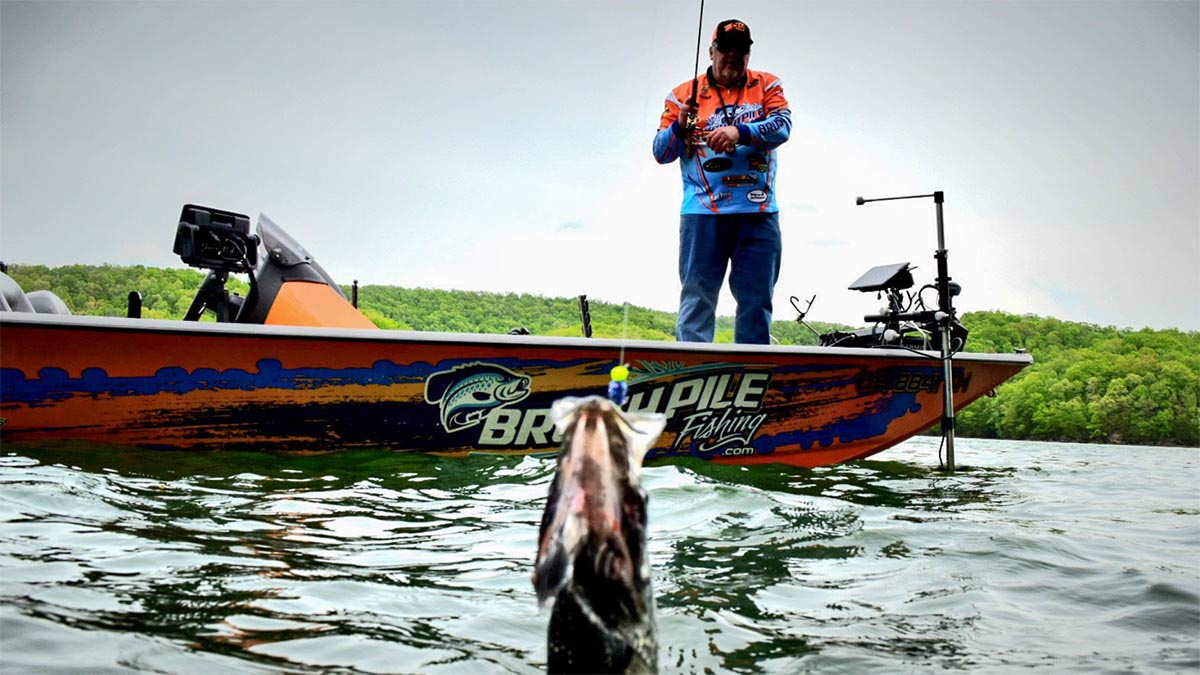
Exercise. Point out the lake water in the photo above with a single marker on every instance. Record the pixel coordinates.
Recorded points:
(1032, 557)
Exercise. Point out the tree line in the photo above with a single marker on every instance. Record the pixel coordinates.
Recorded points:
(1088, 383)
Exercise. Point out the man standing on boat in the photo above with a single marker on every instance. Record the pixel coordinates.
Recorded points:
(724, 127)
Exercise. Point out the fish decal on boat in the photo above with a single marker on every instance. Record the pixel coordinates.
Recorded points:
(467, 393)
(592, 554)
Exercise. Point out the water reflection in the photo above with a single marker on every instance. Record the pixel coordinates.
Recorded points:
(870, 483)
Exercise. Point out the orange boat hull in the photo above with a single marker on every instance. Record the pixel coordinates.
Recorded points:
(174, 385)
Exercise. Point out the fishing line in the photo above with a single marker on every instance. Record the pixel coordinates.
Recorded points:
(624, 332)
(618, 387)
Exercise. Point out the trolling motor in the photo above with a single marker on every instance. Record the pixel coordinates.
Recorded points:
(220, 242)
(943, 318)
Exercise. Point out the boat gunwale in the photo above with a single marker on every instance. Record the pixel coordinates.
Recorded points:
(120, 324)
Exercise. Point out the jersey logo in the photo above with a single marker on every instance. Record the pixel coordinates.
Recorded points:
(740, 179)
(718, 164)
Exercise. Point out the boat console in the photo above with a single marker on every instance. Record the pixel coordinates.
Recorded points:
(287, 286)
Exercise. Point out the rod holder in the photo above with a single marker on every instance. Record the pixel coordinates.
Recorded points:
(134, 307)
(585, 316)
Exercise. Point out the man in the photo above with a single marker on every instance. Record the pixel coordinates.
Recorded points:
(729, 219)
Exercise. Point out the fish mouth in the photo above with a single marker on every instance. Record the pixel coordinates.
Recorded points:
(592, 543)
(514, 390)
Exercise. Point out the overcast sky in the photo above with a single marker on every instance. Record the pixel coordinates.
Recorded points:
(505, 146)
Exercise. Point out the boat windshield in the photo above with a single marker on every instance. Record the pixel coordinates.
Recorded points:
(276, 240)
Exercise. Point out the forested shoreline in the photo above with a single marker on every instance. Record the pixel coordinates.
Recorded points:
(1088, 383)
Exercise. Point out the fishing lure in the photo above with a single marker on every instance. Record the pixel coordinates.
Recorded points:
(618, 388)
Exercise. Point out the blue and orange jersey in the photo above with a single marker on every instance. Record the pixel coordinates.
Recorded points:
(739, 182)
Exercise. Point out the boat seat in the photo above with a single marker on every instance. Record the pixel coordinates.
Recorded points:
(46, 302)
(13, 299)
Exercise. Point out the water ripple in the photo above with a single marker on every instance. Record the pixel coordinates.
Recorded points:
(1033, 556)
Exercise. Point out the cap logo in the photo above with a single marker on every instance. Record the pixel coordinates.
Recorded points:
(732, 31)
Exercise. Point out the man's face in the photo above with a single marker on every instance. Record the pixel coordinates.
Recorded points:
(729, 65)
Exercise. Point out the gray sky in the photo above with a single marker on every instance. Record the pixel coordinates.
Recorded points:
(505, 146)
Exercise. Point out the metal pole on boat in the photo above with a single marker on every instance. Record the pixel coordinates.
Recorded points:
(944, 316)
(947, 312)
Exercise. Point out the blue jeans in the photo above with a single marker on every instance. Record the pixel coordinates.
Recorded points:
(707, 246)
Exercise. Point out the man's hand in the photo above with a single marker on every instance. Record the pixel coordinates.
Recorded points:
(687, 112)
(723, 139)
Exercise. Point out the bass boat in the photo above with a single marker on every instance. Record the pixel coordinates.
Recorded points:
(294, 367)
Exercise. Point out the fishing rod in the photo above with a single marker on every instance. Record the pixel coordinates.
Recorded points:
(693, 118)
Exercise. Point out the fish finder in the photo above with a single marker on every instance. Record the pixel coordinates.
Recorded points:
(220, 242)
(897, 276)
(216, 240)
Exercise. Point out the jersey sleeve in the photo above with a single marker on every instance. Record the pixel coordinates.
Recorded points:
(669, 141)
(774, 129)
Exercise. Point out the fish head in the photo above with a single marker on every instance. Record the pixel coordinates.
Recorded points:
(514, 389)
(592, 555)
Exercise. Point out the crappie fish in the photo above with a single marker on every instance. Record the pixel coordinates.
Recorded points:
(592, 559)
(467, 393)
